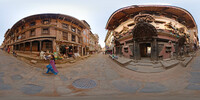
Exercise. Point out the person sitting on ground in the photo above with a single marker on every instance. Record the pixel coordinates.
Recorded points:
(14, 53)
(64, 56)
(46, 56)
(42, 54)
(47, 52)
(51, 67)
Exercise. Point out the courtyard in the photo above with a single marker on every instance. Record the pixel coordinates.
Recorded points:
(95, 76)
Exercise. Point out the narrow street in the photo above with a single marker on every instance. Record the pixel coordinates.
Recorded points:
(97, 75)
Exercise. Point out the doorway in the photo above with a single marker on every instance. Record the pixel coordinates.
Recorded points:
(145, 50)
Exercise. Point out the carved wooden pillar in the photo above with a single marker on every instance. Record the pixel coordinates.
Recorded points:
(136, 50)
(155, 49)
(177, 50)
(13, 47)
(52, 48)
(40, 47)
(31, 46)
(156, 46)
(19, 47)
(24, 46)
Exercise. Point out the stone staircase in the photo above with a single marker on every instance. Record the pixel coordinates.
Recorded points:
(145, 67)
(33, 55)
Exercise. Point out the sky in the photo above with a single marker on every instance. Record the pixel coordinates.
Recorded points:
(95, 12)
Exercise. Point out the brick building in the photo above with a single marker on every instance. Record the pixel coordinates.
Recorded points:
(96, 42)
(47, 32)
(86, 39)
(92, 44)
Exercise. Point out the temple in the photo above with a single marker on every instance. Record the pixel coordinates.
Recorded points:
(153, 32)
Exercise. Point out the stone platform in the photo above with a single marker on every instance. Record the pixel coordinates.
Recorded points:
(148, 66)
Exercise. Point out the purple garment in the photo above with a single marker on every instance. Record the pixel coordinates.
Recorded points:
(53, 66)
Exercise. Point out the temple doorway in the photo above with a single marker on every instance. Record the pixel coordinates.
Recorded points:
(145, 41)
(145, 50)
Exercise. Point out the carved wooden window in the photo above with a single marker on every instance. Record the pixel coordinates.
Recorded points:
(73, 38)
(73, 29)
(46, 21)
(79, 31)
(32, 32)
(79, 40)
(65, 26)
(168, 49)
(126, 49)
(48, 45)
(17, 30)
(22, 28)
(23, 36)
(45, 31)
(32, 23)
(18, 37)
(65, 35)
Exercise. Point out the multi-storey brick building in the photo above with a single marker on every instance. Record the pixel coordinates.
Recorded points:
(96, 42)
(92, 39)
(109, 42)
(85, 34)
(151, 31)
(47, 32)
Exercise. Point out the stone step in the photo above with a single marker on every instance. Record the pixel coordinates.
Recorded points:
(73, 61)
(170, 63)
(144, 69)
(186, 61)
(121, 60)
(146, 64)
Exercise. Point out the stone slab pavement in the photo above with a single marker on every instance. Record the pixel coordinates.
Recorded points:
(102, 74)
(194, 81)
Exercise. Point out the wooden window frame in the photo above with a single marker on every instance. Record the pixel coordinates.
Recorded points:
(33, 23)
(22, 27)
(45, 33)
(32, 31)
(65, 36)
(65, 26)
(79, 31)
(23, 36)
(44, 20)
(74, 38)
(73, 28)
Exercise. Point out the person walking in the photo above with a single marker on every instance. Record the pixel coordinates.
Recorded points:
(52, 67)
(8, 49)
